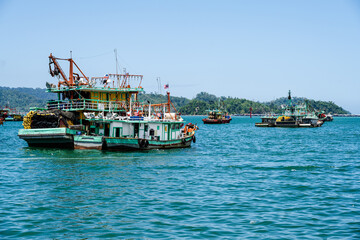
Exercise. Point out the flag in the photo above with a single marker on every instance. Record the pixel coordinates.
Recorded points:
(166, 86)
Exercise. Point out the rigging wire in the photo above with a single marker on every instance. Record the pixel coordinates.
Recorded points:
(98, 55)
(126, 63)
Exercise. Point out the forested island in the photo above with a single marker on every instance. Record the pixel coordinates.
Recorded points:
(24, 98)
(204, 101)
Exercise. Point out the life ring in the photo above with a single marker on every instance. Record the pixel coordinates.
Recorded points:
(194, 139)
(143, 143)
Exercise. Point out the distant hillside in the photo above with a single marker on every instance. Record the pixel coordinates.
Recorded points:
(24, 98)
(158, 98)
(328, 107)
(204, 101)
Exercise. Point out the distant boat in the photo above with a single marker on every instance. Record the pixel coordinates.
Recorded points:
(217, 117)
(10, 114)
(325, 117)
(293, 116)
(269, 120)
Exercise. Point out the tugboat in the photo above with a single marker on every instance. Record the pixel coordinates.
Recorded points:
(217, 117)
(103, 113)
(293, 116)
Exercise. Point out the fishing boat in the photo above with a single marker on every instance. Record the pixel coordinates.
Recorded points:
(324, 117)
(293, 116)
(217, 117)
(4, 113)
(329, 118)
(149, 126)
(103, 113)
(10, 114)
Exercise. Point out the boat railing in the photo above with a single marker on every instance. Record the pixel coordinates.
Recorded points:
(89, 105)
(108, 116)
(93, 88)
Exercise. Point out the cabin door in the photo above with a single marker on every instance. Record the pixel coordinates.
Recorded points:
(107, 130)
(167, 131)
(117, 132)
(136, 129)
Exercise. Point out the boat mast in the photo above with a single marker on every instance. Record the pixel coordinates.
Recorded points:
(116, 60)
(168, 103)
(71, 70)
(289, 97)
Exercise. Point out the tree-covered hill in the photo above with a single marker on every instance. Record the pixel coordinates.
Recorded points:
(204, 101)
(328, 107)
(158, 98)
(200, 104)
(24, 98)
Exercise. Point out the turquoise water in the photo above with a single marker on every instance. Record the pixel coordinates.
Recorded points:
(236, 182)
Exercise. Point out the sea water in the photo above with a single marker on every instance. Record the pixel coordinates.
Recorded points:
(236, 182)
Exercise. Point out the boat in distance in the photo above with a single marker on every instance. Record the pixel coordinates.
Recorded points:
(217, 117)
(293, 116)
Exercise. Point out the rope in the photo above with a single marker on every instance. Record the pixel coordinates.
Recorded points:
(99, 55)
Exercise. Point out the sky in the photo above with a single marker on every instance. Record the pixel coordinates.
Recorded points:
(256, 49)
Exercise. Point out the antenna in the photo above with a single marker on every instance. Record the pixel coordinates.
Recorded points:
(115, 51)
(157, 81)
(70, 54)
(160, 87)
(116, 61)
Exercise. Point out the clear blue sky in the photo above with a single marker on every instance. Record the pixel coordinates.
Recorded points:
(248, 49)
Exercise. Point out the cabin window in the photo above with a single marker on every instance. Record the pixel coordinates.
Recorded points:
(146, 127)
(158, 127)
(173, 126)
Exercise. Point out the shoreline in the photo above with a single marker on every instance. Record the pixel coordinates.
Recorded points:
(259, 115)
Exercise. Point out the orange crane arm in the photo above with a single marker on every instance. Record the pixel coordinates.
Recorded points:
(57, 66)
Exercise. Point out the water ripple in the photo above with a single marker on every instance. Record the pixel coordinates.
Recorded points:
(236, 182)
